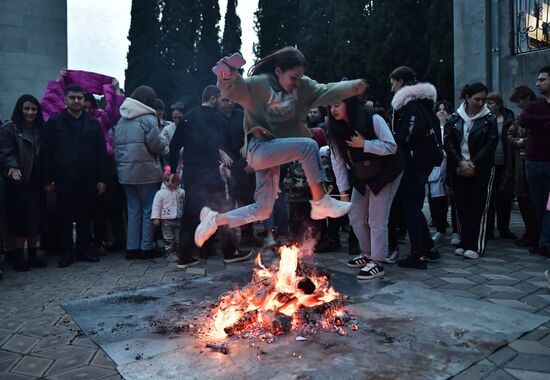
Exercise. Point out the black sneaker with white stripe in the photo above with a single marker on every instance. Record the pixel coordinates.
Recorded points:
(358, 262)
(371, 271)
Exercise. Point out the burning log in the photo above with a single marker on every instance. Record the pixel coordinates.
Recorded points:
(223, 348)
(247, 319)
(326, 310)
(277, 323)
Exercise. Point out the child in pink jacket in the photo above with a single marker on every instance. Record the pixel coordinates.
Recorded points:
(167, 212)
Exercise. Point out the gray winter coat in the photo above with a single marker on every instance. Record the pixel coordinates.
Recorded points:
(138, 144)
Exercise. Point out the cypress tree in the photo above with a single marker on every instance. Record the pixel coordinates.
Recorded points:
(143, 53)
(178, 35)
(208, 45)
(231, 40)
(277, 24)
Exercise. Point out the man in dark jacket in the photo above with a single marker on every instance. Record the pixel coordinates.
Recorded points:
(74, 165)
(199, 135)
(417, 132)
(242, 182)
(536, 118)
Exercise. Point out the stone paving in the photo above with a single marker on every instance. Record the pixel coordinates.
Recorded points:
(39, 340)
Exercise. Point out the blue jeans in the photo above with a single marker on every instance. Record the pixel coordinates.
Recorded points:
(265, 157)
(141, 232)
(538, 177)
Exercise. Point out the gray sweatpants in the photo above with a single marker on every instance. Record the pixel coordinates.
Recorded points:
(171, 234)
(369, 218)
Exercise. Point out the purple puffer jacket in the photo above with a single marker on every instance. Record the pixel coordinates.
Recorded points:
(53, 100)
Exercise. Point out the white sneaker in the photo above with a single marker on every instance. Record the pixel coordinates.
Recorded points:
(469, 254)
(329, 207)
(437, 237)
(371, 271)
(207, 226)
(393, 256)
(455, 239)
(459, 252)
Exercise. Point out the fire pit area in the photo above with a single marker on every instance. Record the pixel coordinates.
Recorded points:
(287, 319)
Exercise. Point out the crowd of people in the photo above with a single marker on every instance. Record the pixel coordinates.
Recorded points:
(87, 169)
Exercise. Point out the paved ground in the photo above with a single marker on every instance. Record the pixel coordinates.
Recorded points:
(39, 340)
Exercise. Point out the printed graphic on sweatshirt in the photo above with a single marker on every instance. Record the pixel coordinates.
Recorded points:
(281, 106)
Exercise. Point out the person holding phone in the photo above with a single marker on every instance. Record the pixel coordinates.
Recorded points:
(276, 97)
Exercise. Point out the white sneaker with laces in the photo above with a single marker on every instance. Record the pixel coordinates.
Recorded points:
(455, 239)
(328, 207)
(207, 226)
(437, 237)
(371, 271)
(358, 261)
(469, 254)
(459, 252)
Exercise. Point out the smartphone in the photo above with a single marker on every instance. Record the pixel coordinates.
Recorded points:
(232, 63)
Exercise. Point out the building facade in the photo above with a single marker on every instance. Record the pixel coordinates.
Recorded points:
(33, 48)
(502, 43)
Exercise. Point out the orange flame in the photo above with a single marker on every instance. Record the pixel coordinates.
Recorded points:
(271, 290)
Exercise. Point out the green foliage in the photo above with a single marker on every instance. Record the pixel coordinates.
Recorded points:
(363, 39)
(277, 24)
(143, 53)
(173, 46)
(231, 40)
(208, 45)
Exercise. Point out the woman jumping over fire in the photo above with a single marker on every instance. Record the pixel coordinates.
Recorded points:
(276, 97)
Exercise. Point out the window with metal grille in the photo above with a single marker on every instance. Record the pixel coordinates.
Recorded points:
(531, 20)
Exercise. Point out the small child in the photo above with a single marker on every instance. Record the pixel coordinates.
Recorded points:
(167, 212)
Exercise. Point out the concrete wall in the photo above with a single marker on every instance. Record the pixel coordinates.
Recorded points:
(33, 48)
(482, 48)
(470, 45)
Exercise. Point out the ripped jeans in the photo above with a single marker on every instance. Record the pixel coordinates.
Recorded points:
(265, 157)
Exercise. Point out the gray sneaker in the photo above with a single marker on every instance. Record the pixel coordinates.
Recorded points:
(393, 256)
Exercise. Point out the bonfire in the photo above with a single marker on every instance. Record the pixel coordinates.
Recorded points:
(277, 300)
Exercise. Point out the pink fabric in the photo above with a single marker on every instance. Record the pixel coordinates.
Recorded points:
(53, 100)
(548, 203)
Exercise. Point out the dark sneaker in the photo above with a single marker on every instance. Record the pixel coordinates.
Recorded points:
(87, 258)
(36, 262)
(237, 256)
(132, 254)
(371, 271)
(431, 255)
(412, 262)
(187, 262)
(64, 263)
(358, 262)
(150, 254)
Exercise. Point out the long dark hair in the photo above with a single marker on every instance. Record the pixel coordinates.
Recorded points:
(339, 130)
(17, 114)
(285, 58)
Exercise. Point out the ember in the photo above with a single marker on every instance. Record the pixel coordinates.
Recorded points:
(278, 300)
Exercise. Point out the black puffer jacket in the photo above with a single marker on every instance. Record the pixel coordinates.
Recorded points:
(415, 124)
(482, 140)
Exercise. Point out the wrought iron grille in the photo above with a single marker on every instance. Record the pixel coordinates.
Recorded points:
(531, 25)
